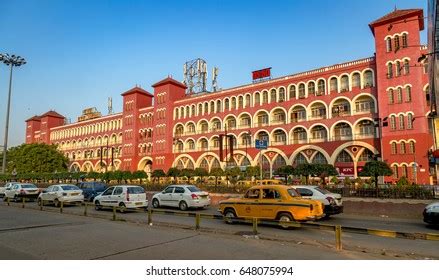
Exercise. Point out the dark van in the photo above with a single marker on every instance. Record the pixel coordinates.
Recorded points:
(91, 189)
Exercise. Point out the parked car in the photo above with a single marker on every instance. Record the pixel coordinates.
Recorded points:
(124, 197)
(91, 189)
(181, 196)
(7, 186)
(19, 190)
(60, 193)
(431, 213)
(332, 201)
(274, 202)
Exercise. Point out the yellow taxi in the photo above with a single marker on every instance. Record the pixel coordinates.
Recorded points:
(244, 183)
(269, 182)
(275, 202)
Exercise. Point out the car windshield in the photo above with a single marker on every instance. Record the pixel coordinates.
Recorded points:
(193, 189)
(28, 186)
(293, 193)
(69, 188)
(323, 191)
(135, 190)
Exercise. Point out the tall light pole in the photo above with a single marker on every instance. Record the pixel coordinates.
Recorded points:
(9, 60)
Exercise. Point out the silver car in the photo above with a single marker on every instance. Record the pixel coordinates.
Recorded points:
(332, 201)
(22, 190)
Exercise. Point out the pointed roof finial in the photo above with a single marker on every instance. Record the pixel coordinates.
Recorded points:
(396, 8)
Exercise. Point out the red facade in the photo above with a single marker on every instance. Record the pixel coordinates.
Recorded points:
(345, 114)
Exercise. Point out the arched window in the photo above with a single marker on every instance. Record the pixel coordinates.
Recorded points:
(300, 159)
(240, 102)
(399, 95)
(311, 88)
(176, 113)
(319, 158)
(187, 111)
(333, 84)
(391, 97)
(206, 108)
(204, 164)
(344, 83)
(257, 98)
(200, 109)
(404, 40)
(248, 101)
(356, 80)
(404, 171)
(292, 92)
(227, 104)
(233, 103)
(218, 106)
(302, 91)
(395, 171)
(392, 122)
(390, 70)
(264, 97)
(273, 96)
(412, 147)
(281, 95)
(389, 44)
(193, 110)
(408, 94)
(410, 121)
(321, 87)
(398, 69)
(402, 148)
(396, 42)
(212, 107)
(368, 78)
(401, 121)
(406, 67)
(343, 156)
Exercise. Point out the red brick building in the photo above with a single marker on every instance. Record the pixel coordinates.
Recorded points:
(342, 114)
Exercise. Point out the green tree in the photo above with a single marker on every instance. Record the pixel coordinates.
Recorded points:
(285, 171)
(201, 173)
(127, 175)
(374, 169)
(36, 157)
(188, 173)
(305, 170)
(252, 171)
(139, 175)
(216, 172)
(157, 174)
(323, 171)
(174, 173)
(93, 175)
(233, 174)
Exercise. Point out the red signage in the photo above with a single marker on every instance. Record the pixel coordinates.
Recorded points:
(263, 73)
(345, 171)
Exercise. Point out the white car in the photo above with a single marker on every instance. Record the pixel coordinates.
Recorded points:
(7, 186)
(21, 190)
(181, 196)
(124, 197)
(431, 213)
(332, 201)
(60, 193)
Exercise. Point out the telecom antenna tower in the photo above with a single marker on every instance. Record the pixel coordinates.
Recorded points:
(195, 76)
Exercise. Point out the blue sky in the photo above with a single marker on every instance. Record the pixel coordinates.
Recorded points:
(80, 53)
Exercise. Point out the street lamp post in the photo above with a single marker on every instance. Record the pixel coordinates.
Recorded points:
(9, 60)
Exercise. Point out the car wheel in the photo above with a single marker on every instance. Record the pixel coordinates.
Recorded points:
(98, 205)
(122, 207)
(229, 214)
(285, 217)
(183, 205)
(56, 203)
(15, 198)
(155, 203)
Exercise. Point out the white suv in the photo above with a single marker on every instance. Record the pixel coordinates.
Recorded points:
(332, 201)
(124, 197)
(7, 186)
(181, 196)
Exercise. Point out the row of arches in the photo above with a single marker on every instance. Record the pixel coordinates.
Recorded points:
(337, 84)
(341, 106)
(99, 166)
(114, 152)
(90, 142)
(339, 131)
(99, 127)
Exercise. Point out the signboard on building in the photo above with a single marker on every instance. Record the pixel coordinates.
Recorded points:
(261, 144)
(345, 171)
(261, 74)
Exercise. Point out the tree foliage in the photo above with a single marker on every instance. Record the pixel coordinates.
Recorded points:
(216, 172)
(375, 169)
(285, 171)
(315, 170)
(173, 172)
(36, 157)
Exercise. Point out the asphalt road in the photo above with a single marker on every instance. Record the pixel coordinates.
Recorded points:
(21, 228)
